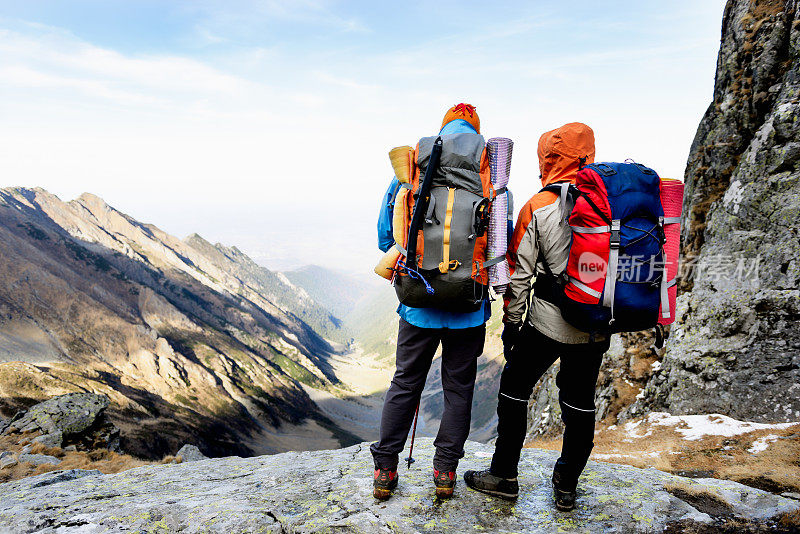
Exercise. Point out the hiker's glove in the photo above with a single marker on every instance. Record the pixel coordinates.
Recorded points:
(510, 336)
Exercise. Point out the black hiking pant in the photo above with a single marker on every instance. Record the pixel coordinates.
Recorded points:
(527, 361)
(415, 350)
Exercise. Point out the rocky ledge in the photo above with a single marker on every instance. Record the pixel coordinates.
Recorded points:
(327, 491)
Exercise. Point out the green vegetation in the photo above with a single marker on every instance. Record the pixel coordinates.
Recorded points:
(297, 371)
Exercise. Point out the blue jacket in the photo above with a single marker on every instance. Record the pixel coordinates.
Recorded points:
(428, 317)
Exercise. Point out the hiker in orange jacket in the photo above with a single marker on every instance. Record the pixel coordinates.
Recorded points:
(536, 335)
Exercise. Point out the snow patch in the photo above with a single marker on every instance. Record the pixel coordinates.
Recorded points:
(761, 444)
(694, 427)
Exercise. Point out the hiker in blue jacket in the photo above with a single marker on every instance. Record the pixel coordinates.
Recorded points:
(421, 330)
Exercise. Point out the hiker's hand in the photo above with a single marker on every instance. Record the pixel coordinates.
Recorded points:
(510, 335)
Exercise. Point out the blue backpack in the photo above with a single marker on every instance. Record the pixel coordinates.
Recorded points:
(615, 280)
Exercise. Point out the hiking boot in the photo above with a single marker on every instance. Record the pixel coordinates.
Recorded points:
(383, 483)
(486, 482)
(445, 482)
(564, 494)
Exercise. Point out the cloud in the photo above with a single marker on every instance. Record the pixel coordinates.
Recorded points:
(251, 19)
(45, 56)
(277, 104)
(347, 83)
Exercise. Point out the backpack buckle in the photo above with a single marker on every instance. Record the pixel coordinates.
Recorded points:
(645, 170)
(603, 169)
(615, 233)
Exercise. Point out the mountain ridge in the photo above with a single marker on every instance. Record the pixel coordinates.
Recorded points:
(182, 335)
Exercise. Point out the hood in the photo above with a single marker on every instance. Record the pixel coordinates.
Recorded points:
(561, 150)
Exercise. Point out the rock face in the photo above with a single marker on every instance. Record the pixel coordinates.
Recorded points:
(68, 414)
(75, 417)
(329, 491)
(735, 348)
(191, 342)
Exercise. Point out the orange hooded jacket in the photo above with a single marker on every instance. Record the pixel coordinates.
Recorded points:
(562, 152)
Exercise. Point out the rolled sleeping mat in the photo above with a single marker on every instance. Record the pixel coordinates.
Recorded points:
(672, 202)
(402, 158)
(400, 216)
(499, 151)
(386, 265)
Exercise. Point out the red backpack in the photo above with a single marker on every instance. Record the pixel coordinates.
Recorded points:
(620, 276)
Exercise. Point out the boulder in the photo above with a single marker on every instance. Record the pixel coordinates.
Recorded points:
(331, 491)
(38, 459)
(68, 414)
(8, 461)
(54, 439)
(191, 453)
(76, 418)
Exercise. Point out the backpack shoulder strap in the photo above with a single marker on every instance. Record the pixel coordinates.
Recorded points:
(571, 192)
(568, 193)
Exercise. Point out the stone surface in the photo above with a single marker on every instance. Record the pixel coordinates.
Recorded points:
(54, 439)
(66, 414)
(329, 491)
(38, 459)
(735, 348)
(8, 461)
(191, 453)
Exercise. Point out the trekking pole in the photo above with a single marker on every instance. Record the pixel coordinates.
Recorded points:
(410, 459)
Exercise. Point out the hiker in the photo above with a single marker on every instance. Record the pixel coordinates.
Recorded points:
(536, 335)
(458, 321)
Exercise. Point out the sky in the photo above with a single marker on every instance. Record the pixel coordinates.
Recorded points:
(266, 124)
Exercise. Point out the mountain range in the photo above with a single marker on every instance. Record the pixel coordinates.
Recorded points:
(192, 341)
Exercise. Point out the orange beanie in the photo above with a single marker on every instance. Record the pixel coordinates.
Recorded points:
(463, 111)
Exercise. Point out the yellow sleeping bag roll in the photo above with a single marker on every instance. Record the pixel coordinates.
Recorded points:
(400, 222)
(402, 159)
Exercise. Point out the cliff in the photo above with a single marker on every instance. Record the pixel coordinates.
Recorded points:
(735, 348)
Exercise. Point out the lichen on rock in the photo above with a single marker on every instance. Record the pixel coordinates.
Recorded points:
(331, 491)
(735, 348)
